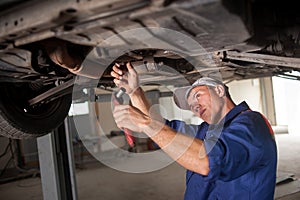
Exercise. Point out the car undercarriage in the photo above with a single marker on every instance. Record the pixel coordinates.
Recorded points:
(46, 45)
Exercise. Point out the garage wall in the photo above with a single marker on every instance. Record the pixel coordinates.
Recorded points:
(247, 90)
(5, 157)
(287, 106)
(10, 158)
(105, 117)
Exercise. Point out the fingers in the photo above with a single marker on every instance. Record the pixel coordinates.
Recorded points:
(128, 80)
(129, 66)
(117, 82)
(120, 115)
(120, 82)
(120, 110)
(116, 71)
(114, 74)
(130, 69)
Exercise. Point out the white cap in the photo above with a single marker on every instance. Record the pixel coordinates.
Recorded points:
(181, 94)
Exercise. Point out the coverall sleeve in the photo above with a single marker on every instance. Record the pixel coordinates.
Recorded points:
(182, 127)
(239, 147)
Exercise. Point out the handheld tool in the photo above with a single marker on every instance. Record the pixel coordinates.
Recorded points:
(118, 100)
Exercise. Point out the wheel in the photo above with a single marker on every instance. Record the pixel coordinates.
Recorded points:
(19, 121)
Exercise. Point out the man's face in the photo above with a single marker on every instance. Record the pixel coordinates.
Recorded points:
(205, 103)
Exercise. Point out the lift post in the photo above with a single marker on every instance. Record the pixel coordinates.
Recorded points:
(57, 166)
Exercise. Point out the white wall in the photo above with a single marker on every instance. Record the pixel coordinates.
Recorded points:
(246, 90)
(105, 118)
(287, 103)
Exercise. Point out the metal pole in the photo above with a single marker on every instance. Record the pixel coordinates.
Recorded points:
(57, 164)
(71, 159)
(48, 167)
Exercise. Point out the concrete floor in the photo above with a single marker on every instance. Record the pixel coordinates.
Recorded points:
(100, 182)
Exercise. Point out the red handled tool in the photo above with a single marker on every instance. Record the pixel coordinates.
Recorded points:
(117, 100)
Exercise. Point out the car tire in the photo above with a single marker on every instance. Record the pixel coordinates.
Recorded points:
(19, 123)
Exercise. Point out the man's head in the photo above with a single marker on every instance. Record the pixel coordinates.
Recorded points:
(206, 98)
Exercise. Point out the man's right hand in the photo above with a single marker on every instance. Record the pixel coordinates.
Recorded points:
(128, 80)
